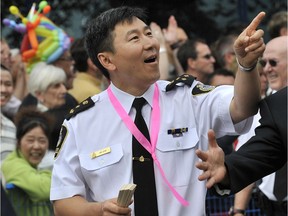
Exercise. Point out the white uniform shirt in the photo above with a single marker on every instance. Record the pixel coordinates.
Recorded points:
(242, 139)
(99, 179)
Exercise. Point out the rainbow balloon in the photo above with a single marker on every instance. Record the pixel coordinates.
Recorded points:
(43, 40)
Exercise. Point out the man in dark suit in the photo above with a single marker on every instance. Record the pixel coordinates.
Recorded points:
(274, 66)
(264, 153)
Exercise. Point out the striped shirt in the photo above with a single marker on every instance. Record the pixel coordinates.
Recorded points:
(7, 136)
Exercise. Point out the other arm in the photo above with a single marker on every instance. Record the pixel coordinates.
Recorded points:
(77, 205)
(242, 198)
(212, 164)
(163, 55)
(248, 47)
(263, 154)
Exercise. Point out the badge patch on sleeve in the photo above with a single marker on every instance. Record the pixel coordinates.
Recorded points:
(185, 79)
(62, 138)
(202, 89)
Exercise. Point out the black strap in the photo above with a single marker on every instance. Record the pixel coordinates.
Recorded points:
(145, 197)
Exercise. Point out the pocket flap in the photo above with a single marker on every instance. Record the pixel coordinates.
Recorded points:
(188, 140)
(101, 161)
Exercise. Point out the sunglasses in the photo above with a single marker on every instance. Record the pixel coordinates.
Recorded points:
(207, 56)
(272, 62)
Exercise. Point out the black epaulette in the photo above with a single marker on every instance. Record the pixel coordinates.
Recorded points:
(185, 78)
(84, 105)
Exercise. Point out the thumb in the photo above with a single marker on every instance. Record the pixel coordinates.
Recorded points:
(212, 139)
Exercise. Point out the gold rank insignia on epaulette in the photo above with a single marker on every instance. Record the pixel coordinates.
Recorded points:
(202, 89)
(84, 105)
(185, 78)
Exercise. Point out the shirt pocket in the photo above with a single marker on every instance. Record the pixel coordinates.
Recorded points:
(188, 140)
(177, 156)
(102, 161)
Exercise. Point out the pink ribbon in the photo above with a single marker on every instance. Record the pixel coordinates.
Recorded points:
(150, 147)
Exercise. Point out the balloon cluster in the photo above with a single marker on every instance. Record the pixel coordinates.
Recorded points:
(43, 40)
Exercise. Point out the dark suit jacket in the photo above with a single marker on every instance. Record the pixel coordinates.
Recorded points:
(266, 152)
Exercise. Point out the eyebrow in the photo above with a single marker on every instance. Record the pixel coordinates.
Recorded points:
(136, 30)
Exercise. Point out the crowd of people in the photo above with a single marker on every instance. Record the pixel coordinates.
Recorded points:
(73, 112)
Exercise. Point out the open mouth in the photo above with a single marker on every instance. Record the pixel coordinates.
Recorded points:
(36, 154)
(150, 59)
(272, 76)
(3, 97)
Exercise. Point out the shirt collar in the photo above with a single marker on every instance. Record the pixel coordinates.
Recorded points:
(126, 99)
(41, 107)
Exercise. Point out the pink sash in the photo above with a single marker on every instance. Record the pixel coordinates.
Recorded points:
(150, 147)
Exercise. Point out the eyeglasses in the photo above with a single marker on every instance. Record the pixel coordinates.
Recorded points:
(207, 56)
(67, 58)
(272, 62)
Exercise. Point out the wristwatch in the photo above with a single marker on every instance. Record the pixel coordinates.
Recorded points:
(233, 211)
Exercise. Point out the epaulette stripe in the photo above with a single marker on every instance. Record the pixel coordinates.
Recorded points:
(185, 78)
(84, 105)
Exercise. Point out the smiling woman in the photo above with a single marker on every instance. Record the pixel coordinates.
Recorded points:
(46, 83)
(20, 168)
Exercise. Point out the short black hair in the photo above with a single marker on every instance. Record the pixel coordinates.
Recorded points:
(222, 46)
(99, 35)
(79, 55)
(28, 118)
(220, 71)
(188, 50)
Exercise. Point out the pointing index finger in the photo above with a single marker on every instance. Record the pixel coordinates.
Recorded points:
(255, 23)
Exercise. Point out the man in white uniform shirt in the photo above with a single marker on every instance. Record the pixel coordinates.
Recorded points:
(94, 155)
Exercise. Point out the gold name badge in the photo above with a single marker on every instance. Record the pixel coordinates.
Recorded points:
(100, 152)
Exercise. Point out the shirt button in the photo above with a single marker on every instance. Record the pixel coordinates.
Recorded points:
(102, 161)
(178, 144)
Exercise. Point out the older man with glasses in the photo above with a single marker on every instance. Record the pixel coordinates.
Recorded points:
(274, 64)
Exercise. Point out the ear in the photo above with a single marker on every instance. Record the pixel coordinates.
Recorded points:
(283, 31)
(105, 60)
(40, 96)
(229, 57)
(191, 63)
(91, 64)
